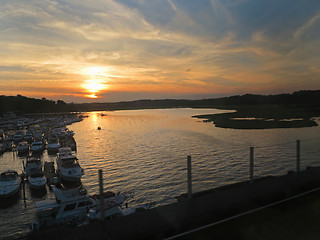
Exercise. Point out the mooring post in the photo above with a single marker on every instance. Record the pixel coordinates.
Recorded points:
(189, 177)
(298, 155)
(251, 163)
(101, 195)
(23, 186)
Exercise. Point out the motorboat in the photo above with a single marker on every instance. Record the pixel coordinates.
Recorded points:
(28, 136)
(112, 205)
(37, 179)
(10, 183)
(23, 148)
(138, 208)
(69, 206)
(37, 147)
(53, 146)
(7, 145)
(75, 206)
(32, 164)
(18, 136)
(68, 167)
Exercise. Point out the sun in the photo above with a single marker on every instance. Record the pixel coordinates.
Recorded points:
(97, 81)
(94, 86)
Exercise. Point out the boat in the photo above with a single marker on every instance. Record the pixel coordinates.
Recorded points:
(37, 147)
(10, 183)
(32, 164)
(69, 206)
(23, 148)
(53, 145)
(7, 145)
(139, 208)
(36, 179)
(112, 205)
(75, 206)
(18, 136)
(68, 167)
(28, 136)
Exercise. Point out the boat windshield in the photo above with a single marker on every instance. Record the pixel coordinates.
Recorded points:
(70, 162)
(36, 174)
(7, 176)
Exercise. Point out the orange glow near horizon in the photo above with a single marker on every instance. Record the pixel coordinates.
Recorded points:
(97, 81)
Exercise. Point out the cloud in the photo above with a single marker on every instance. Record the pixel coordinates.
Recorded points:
(152, 46)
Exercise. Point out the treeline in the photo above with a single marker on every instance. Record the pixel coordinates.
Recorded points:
(305, 98)
(21, 104)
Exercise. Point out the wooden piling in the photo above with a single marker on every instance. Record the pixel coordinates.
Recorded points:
(189, 177)
(298, 155)
(101, 195)
(251, 163)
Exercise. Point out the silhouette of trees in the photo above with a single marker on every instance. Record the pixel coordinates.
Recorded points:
(20, 104)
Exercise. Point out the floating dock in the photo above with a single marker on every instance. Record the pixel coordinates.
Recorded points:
(203, 208)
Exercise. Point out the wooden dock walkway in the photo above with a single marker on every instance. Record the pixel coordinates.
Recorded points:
(186, 214)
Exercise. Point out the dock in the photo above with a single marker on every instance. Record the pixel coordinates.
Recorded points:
(208, 208)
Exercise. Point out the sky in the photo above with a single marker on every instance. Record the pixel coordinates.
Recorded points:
(108, 51)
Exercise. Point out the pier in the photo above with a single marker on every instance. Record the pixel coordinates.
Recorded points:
(210, 210)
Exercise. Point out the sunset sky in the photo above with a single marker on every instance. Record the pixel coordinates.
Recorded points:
(106, 51)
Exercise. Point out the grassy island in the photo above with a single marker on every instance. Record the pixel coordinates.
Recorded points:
(265, 117)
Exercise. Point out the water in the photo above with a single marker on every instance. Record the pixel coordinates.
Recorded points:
(146, 151)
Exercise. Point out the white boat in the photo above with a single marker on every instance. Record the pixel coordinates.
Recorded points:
(28, 136)
(112, 205)
(32, 164)
(53, 146)
(18, 136)
(74, 206)
(10, 183)
(37, 147)
(68, 167)
(36, 179)
(134, 209)
(23, 147)
(69, 206)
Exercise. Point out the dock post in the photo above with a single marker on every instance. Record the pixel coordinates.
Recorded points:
(251, 164)
(298, 155)
(101, 195)
(189, 177)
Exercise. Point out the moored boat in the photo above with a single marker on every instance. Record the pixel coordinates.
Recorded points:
(53, 146)
(37, 147)
(23, 148)
(10, 183)
(32, 164)
(69, 206)
(37, 180)
(68, 167)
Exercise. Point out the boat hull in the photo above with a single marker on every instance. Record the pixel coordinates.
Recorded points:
(68, 177)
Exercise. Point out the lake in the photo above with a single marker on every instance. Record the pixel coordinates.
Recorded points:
(145, 152)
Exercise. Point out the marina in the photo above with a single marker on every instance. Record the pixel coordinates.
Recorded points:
(144, 151)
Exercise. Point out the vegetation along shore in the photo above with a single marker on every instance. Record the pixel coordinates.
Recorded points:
(298, 109)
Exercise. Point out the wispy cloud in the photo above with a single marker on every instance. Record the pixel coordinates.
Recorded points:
(209, 46)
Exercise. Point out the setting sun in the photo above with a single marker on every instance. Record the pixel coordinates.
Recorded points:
(93, 86)
(97, 81)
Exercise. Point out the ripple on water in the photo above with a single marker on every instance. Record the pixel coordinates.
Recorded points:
(146, 152)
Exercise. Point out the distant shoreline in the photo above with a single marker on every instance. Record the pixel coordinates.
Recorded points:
(265, 117)
(251, 111)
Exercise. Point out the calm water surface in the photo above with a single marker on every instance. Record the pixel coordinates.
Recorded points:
(145, 151)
